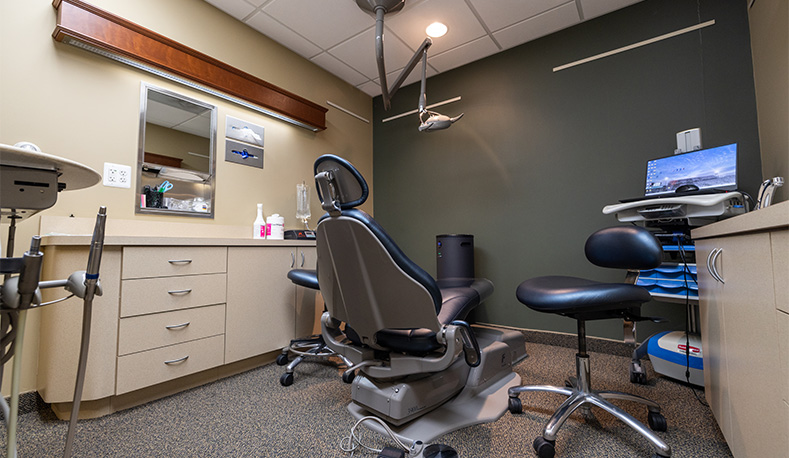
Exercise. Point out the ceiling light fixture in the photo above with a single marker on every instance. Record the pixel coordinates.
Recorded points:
(428, 120)
(436, 30)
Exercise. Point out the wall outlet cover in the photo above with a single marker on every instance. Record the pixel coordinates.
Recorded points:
(117, 175)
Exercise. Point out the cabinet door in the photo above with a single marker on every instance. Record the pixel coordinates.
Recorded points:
(713, 337)
(309, 303)
(260, 301)
(758, 427)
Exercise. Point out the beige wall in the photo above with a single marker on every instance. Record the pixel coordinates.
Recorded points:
(769, 22)
(78, 105)
(170, 142)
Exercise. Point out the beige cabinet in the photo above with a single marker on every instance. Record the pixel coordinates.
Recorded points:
(262, 303)
(169, 310)
(156, 281)
(742, 298)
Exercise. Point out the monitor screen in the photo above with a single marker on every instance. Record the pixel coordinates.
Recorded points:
(709, 169)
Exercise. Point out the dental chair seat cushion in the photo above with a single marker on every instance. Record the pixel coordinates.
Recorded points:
(307, 278)
(581, 298)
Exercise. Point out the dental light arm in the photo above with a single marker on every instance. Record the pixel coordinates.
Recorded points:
(429, 120)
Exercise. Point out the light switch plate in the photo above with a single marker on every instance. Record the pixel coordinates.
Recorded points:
(117, 175)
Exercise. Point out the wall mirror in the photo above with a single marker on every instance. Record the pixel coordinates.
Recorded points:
(176, 159)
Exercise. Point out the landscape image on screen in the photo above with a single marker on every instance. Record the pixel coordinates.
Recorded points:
(714, 168)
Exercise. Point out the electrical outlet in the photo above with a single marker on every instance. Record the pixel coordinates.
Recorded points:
(117, 175)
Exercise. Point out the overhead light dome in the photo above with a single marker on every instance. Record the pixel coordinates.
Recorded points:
(436, 30)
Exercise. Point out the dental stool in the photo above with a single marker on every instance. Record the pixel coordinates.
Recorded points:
(627, 247)
(415, 364)
(313, 347)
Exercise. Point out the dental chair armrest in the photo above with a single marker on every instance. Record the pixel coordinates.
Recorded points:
(471, 349)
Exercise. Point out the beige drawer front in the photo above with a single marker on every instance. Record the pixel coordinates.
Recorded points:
(146, 262)
(140, 333)
(147, 368)
(152, 295)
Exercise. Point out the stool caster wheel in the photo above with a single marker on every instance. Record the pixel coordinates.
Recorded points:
(286, 379)
(637, 374)
(515, 405)
(348, 376)
(282, 359)
(544, 448)
(657, 421)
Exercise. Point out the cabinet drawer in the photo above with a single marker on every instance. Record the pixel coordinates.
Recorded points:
(146, 262)
(147, 368)
(140, 333)
(152, 295)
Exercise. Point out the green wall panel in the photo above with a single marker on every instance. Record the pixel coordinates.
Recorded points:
(539, 153)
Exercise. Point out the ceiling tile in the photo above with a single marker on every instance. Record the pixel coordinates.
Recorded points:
(359, 53)
(594, 8)
(502, 13)
(339, 68)
(538, 26)
(199, 125)
(239, 9)
(410, 24)
(372, 89)
(464, 54)
(269, 27)
(325, 23)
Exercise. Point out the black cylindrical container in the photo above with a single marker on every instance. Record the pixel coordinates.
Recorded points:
(454, 256)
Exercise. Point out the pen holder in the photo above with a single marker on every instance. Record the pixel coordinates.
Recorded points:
(154, 199)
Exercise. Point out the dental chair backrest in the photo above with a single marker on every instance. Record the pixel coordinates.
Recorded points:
(365, 279)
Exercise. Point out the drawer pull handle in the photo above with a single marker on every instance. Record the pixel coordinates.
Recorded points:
(176, 361)
(179, 261)
(715, 272)
(178, 326)
(179, 291)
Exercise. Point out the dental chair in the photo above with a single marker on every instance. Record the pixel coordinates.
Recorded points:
(415, 363)
(624, 247)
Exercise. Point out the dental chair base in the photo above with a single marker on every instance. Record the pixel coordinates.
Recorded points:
(455, 398)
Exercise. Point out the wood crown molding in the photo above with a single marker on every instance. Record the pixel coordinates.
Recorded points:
(82, 22)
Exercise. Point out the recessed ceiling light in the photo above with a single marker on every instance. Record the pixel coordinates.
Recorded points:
(436, 30)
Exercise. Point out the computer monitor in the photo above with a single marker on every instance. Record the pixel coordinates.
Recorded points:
(713, 169)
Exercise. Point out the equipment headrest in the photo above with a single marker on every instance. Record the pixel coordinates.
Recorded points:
(339, 184)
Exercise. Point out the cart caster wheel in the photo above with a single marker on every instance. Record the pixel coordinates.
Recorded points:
(282, 359)
(637, 375)
(515, 405)
(286, 379)
(348, 376)
(544, 448)
(657, 421)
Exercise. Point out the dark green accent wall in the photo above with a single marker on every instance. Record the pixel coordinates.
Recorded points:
(538, 154)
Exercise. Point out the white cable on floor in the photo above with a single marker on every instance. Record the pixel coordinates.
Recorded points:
(353, 441)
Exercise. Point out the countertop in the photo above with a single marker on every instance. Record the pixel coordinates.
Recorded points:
(773, 217)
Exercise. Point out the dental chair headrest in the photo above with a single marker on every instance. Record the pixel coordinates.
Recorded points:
(340, 186)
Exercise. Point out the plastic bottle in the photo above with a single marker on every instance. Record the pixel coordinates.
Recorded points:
(276, 227)
(259, 227)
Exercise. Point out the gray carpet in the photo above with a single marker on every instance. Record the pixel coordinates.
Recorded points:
(252, 415)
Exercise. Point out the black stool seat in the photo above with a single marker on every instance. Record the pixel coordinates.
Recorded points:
(307, 278)
(572, 296)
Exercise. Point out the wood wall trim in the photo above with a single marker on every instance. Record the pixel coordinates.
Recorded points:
(86, 23)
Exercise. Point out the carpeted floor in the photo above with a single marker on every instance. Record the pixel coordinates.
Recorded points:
(252, 415)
